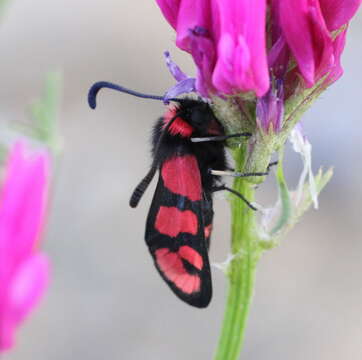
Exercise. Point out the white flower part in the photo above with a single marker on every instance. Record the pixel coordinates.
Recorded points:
(223, 266)
(302, 146)
(257, 206)
(268, 215)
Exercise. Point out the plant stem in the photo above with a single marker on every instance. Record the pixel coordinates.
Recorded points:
(241, 271)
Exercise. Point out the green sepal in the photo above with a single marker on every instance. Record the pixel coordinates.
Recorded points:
(296, 105)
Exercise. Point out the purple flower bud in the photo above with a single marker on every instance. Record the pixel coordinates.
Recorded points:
(270, 109)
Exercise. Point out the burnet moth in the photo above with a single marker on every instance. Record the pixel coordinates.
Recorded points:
(188, 149)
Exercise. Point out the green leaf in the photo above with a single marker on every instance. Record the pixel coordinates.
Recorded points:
(44, 127)
(3, 4)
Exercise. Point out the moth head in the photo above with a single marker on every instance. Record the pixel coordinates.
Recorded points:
(200, 116)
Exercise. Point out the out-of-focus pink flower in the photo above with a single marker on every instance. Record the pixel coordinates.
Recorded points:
(227, 41)
(23, 268)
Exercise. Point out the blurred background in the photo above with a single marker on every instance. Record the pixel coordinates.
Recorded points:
(106, 301)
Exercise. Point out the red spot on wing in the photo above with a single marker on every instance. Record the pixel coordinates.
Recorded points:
(181, 175)
(192, 256)
(179, 126)
(188, 283)
(207, 231)
(172, 221)
(171, 265)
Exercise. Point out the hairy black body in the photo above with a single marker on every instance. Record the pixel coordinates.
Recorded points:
(188, 143)
(209, 155)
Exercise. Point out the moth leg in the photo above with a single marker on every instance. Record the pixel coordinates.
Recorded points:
(234, 173)
(273, 163)
(242, 197)
(219, 138)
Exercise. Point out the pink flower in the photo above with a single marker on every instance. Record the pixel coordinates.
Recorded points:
(234, 43)
(338, 12)
(23, 268)
(226, 39)
(336, 70)
(306, 26)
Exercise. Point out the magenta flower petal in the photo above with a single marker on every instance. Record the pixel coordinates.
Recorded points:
(278, 58)
(203, 52)
(169, 10)
(194, 35)
(338, 47)
(338, 12)
(226, 39)
(28, 285)
(307, 36)
(192, 15)
(23, 198)
(22, 204)
(241, 53)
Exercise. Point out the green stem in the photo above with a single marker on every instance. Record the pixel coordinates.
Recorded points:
(241, 272)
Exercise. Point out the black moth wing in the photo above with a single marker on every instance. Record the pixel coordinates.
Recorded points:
(175, 229)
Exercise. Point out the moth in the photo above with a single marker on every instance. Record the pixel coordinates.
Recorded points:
(188, 152)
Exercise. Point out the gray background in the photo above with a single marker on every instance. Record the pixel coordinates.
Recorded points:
(106, 300)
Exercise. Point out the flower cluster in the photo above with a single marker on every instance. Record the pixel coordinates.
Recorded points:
(23, 269)
(242, 46)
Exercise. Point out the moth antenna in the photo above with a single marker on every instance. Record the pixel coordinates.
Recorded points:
(96, 87)
(143, 185)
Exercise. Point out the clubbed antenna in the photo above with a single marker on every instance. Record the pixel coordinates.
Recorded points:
(92, 101)
(93, 91)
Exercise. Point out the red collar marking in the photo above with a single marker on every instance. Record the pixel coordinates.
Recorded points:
(179, 126)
